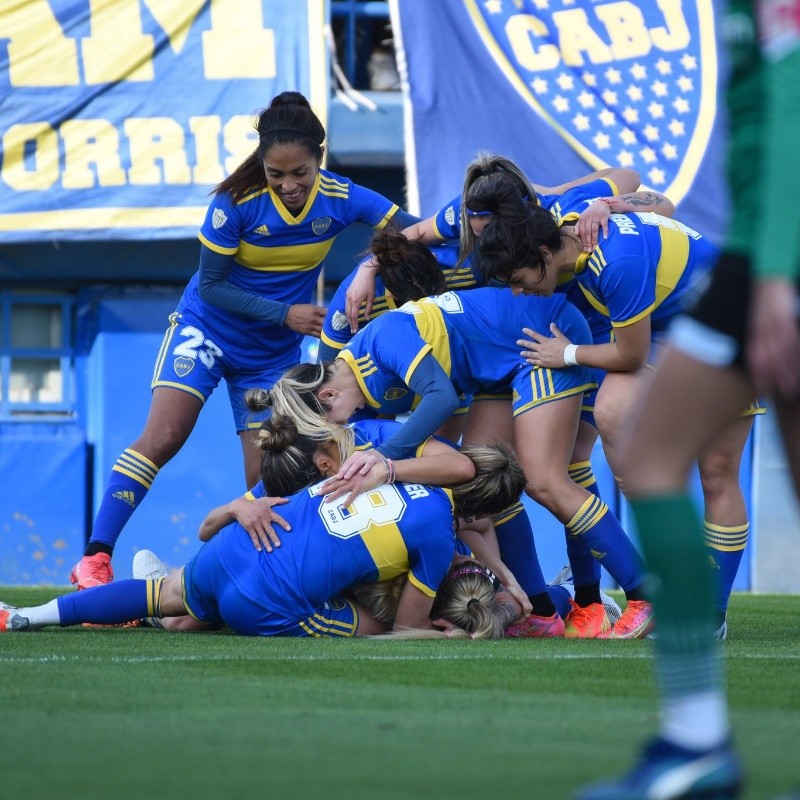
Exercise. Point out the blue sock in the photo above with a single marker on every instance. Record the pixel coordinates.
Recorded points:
(131, 477)
(608, 542)
(725, 550)
(560, 597)
(518, 550)
(585, 567)
(110, 604)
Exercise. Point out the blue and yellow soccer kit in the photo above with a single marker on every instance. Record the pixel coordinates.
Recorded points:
(277, 256)
(296, 589)
(336, 329)
(472, 335)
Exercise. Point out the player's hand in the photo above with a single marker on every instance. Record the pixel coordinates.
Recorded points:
(544, 351)
(515, 590)
(306, 318)
(337, 487)
(361, 292)
(773, 347)
(257, 518)
(591, 222)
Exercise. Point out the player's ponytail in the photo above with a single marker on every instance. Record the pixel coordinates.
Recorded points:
(408, 268)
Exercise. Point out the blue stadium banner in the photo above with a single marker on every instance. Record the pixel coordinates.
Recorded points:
(564, 87)
(118, 117)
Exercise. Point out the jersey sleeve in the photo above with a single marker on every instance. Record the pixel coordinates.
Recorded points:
(256, 492)
(430, 560)
(626, 287)
(222, 225)
(336, 328)
(371, 208)
(447, 222)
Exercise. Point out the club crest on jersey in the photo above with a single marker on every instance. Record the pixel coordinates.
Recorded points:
(450, 215)
(320, 225)
(183, 366)
(218, 218)
(339, 321)
(337, 604)
(395, 393)
(623, 83)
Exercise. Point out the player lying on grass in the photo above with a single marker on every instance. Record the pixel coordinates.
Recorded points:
(297, 590)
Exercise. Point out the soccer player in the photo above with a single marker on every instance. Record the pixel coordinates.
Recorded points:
(630, 288)
(742, 337)
(422, 355)
(244, 314)
(452, 223)
(297, 590)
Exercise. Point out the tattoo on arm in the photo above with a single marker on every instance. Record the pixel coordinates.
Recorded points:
(643, 198)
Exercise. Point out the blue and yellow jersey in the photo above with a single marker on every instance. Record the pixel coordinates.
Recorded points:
(388, 531)
(277, 255)
(648, 265)
(472, 335)
(336, 328)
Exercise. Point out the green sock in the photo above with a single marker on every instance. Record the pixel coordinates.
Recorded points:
(682, 591)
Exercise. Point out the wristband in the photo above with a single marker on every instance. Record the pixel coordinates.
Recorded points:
(390, 473)
(570, 355)
(608, 202)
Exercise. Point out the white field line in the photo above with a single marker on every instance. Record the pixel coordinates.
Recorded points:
(59, 659)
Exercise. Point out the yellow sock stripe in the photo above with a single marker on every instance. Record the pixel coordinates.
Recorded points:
(588, 515)
(154, 597)
(726, 539)
(508, 513)
(581, 473)
(136, 466)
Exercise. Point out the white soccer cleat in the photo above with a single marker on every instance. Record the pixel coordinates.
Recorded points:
(147, 566)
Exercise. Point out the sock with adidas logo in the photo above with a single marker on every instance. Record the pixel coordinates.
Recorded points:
(131, 478)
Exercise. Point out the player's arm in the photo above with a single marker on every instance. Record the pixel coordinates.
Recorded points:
(596, 217)
(625, 180)
(437, 464)
(423, 231)
(627, 353)
(413, 610)
(480, 536)
(215, 288)
(254, 514)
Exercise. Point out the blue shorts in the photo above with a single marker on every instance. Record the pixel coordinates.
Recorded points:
(535, 386)
(211, 596)
(192, 362)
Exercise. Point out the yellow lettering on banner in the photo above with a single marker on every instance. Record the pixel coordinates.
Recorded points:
(152, 140)
(675, 36)
(38, 52)
(117, 49)
(519, 29)
(575, 35)
(39, 139)
(240, 139)
(206, 132)
(238, 45)
(88, 143)
(626, 28)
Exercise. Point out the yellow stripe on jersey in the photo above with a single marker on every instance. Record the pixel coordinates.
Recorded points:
(291, 258)
(429, 320)
(415, 363)
(351, 362)
(287, 216)
(389, 214)
(330, 342)
(387, 548)
(426, 590)
(673, 260)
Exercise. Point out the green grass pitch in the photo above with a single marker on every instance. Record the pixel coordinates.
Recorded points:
(138, 713)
